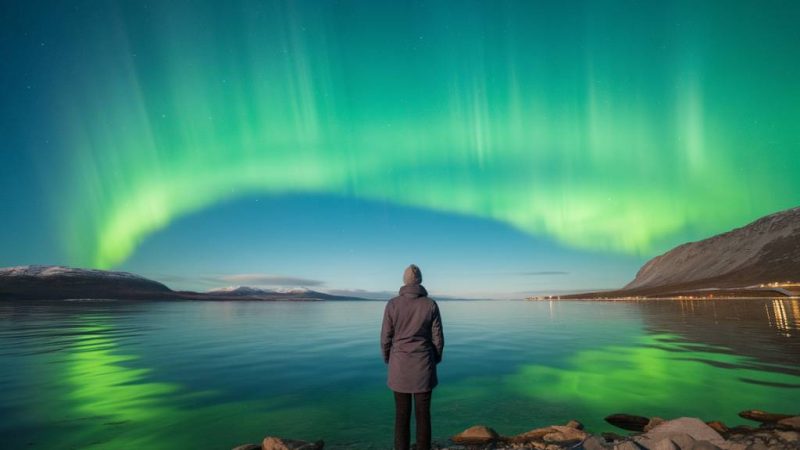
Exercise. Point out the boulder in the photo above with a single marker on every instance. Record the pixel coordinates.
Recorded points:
(741, 429)
(762, 416)
(664, 444)
(730, 445)
(627, 445)
(537, 434)
(563, 434)
(718, 426)
(594, 443)
(276, 443)
(478, 434)
(628, 422)
(611, 436)
(704, 445)
(788, 436)
(654, 422)
(574, 424)
(758, 446)
(693, 427)
(790, 422)
(682, 441)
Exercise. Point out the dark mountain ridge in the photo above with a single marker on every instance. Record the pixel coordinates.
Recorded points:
(40, 282)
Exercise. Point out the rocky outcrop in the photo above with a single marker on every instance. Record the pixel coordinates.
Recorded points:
(478, 434)
(684, 433)
(655, 433)
(564, 435)
(764, 251)
(277, 443)
(740, 263)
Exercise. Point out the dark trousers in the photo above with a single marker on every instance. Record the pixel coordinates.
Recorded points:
(402, 420)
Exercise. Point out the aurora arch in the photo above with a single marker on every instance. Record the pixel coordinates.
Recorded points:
(609, 126)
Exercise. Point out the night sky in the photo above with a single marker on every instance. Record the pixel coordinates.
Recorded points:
(505, 147)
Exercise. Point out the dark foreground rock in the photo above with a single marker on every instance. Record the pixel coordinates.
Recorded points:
(763, 416)
(628, 422)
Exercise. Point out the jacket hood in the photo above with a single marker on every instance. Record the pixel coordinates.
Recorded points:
(412, 275)
(414, 290)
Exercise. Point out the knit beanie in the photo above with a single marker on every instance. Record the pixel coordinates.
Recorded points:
(412, 275)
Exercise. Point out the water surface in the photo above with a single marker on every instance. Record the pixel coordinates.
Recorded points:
(210, 375)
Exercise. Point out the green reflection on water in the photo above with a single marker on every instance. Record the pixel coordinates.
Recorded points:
(115, 405)
(115, 398)
(658, 376)
(102, 385)
(103, 398)
(108, 403)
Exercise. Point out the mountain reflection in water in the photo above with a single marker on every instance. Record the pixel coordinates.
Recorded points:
(768, 331)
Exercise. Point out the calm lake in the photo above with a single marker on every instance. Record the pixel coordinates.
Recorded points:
(211, 375)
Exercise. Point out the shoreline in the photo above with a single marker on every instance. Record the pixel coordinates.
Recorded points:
(774, 431)
(689, 291)
(636, 299)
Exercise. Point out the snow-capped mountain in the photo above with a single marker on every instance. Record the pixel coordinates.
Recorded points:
(239, 290)
(59, 282)
(44, 271)
(39, 282)
(249, 291)
(296, 290)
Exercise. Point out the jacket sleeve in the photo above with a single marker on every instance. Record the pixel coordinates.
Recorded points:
(437, 333)
(387, 333)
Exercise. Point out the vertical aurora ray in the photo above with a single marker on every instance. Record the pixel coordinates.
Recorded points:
(611, 126)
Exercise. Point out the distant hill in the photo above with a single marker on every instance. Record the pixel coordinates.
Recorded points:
(39, 282)
(245, 292)
(737, 262)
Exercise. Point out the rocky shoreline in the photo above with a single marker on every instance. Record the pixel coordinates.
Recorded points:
(774, 431)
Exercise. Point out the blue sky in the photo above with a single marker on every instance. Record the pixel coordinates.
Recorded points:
(508, 148)
(334, 244)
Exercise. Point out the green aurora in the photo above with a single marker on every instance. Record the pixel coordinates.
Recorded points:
(625, 127)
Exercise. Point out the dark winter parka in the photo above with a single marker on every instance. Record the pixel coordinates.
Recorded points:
(412, 340)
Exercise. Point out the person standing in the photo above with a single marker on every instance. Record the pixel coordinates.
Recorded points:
(412, 342)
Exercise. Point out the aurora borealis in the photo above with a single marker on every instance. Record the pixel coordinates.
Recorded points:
(613, 128)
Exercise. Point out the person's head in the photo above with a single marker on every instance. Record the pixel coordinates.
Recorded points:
(412, 275)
